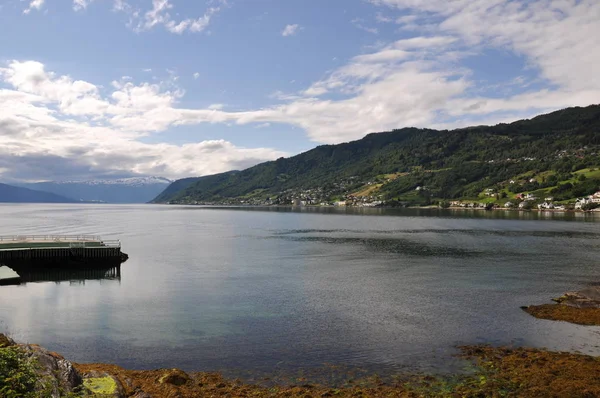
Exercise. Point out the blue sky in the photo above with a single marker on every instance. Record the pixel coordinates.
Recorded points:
(174, 88)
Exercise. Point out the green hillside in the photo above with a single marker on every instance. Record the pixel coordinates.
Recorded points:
(555, 154)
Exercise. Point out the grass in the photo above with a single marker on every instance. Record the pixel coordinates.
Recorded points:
(368, 190)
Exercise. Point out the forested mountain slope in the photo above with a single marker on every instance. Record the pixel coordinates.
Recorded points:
(460, 163)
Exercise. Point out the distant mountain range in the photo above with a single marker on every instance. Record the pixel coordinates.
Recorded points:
(555, 155)
(12, 194)
(125, 190)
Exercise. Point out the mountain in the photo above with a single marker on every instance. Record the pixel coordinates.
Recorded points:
(125, 190)
(555, 154)
(11, 194)
(181, 185)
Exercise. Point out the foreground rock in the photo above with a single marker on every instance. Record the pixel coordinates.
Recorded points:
(33, 370)
(59, 375)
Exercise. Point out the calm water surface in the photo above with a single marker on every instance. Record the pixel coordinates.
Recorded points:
(266, 290)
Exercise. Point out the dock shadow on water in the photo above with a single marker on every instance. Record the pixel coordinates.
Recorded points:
(23, 272)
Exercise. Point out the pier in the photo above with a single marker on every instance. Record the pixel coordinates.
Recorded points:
(59, 248)
(28, 258)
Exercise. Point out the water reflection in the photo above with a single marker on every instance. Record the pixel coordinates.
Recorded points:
(287, 291)
(27, 273)
(412, 212)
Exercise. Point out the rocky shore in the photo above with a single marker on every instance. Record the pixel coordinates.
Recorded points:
(582, 307)
(31, 371)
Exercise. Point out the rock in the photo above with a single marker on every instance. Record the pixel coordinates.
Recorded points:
(103, 384)
(56, 373)
(174, 377)
(586, 298)
(106, 387)
(5, 341)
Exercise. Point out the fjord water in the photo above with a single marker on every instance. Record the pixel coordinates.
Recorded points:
(270, 289)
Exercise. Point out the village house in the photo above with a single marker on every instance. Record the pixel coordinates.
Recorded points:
(581, 202)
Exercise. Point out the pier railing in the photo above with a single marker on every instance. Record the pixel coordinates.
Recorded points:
(103, 243)
(50, 238)
(74, 241)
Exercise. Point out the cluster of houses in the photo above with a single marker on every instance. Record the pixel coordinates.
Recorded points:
(468, 205)
(592, 199)
(528, 200)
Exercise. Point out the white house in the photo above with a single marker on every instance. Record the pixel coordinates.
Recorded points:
(545, 206)
(581, 202)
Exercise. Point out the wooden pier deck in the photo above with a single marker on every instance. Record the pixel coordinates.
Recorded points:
(47, 247)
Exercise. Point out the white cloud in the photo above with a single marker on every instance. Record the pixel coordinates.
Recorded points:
(34, 4)
(359, 23)
(419, 81)
(159, 15)
(291, 30)
(196, 76)
(557, 36)
(52, 120)
(81, 4)
(379, 17)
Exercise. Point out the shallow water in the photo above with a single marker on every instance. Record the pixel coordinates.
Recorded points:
(284, 290)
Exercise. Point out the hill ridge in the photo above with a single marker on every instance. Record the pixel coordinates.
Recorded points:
(422, 166)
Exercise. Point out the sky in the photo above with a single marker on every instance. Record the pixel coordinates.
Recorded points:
(175, 88)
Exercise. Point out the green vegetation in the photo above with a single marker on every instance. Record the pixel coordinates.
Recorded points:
(18, 377)
(559, 152)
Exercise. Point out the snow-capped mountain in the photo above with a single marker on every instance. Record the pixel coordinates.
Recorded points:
(132, 181)
(123, 190)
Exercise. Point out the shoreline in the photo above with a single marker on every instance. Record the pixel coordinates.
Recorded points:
(488, 371)
(523, 372)
(432, 207)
